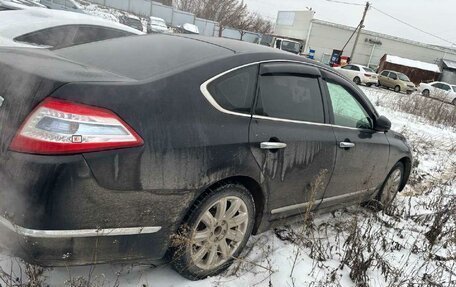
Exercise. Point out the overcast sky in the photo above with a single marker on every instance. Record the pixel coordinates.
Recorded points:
(434, 16)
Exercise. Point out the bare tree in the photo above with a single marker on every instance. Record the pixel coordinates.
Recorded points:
(229, 13)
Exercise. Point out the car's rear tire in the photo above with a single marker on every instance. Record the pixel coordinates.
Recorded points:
(214, 233)
(397, 89)
(390, 186)
(357, 80)
(425, 93)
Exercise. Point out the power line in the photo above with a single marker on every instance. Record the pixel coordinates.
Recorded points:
(346, 3)
(414, 27)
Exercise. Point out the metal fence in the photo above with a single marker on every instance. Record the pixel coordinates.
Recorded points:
(175, 17)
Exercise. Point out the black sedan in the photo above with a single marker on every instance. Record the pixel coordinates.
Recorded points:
(135, 148)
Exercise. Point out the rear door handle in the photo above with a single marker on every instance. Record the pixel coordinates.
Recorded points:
(346, 145)
(272, 145)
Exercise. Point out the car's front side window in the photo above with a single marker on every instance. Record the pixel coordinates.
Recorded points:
(348, 112)
(291, 97)
(235, 91)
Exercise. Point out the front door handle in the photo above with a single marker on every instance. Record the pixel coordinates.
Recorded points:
(272, 145)
(346, 145)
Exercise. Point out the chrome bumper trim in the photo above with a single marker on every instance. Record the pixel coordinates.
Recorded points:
(79, 233)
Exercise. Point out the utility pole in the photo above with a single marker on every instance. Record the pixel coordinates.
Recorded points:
(361, 25)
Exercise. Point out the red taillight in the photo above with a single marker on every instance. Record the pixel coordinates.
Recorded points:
(368, 75)
(62, 127)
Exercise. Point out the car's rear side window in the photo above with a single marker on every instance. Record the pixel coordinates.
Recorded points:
(69, 35)
(87, 34)
(290, 97)
(53, 37)
(235, 91)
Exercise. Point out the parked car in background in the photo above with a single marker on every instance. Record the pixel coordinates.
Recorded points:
(18, 4)
(441, 90)
(187, 28)
(132, 21)
(157, 25)
(396, 81)
(47, 28)
(359, 74)
(138, 147)
(67, 5)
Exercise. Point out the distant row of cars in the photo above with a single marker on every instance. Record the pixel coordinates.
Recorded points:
(152, 25)
(47, 28)
(26, 23)
(397, 81)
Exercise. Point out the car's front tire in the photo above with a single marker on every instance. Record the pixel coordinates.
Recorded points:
(215, 232)
(397, 89)
(391, 186)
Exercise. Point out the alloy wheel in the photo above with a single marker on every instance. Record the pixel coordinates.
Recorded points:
(391, 187)
(218, 232)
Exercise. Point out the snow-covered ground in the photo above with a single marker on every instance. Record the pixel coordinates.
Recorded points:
(338, 249)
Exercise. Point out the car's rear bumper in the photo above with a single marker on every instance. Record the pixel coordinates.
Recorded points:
(54, 212)
(370, 81)
(83, 246)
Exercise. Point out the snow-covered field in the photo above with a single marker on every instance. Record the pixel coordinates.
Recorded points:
(354, 246)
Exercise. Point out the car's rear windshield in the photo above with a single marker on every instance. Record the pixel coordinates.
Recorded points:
(403, 77)
(290, 46)
(454, 88)
(369, 70)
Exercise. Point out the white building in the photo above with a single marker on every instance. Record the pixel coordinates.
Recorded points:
(293, 24)
(323, 37)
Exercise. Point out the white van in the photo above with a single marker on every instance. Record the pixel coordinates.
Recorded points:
(68, 5)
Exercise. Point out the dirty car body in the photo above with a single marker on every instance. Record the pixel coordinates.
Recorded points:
(61, 207)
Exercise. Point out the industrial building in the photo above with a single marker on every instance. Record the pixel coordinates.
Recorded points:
(324, 37)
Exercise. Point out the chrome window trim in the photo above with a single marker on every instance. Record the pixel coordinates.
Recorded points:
(204, 90)
(329, 199)
(78, 233)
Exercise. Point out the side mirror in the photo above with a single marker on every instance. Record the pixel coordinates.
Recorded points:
(382, 124)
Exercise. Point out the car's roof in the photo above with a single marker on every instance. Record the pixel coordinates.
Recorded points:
(14, 23)
(143, 57)
(438, 82)
(237, 46)
(156, 18)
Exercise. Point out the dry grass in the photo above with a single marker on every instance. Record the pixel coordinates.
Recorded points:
(435, 110)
